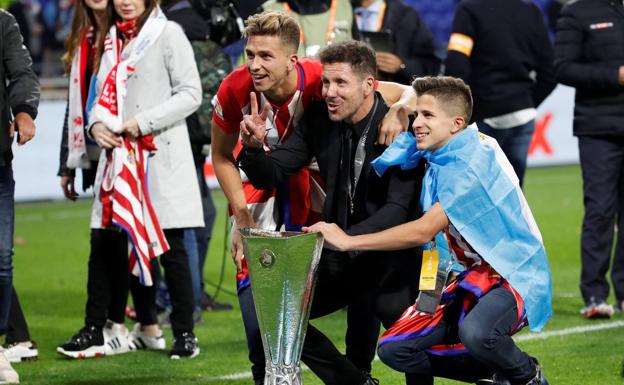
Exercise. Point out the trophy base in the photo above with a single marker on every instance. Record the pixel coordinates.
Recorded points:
(282, 375)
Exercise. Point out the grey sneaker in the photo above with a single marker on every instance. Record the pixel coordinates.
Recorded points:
(8, 375)
(21, 351)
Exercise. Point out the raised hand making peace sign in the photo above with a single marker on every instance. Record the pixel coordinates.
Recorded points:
(253, 126)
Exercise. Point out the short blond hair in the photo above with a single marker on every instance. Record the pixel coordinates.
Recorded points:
(273, 23)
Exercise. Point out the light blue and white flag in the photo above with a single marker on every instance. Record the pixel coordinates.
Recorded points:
(479, 191)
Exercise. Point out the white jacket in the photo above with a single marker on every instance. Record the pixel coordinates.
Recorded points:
(163, 90)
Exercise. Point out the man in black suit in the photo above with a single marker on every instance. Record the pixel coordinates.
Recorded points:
(340, 134)
(411, 51)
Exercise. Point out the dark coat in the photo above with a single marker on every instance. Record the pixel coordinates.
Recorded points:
(412, 40)
(510, 67)
(589, 50)
(19, 86)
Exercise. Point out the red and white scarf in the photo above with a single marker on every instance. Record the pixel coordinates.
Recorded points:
(124, 193)
(80, 153)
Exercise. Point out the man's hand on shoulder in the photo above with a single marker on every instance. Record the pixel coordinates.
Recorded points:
(395, 122)
(25, 127)
(621, 75)
(253, 125)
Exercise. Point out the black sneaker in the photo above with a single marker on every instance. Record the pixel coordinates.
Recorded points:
(87, 343)
(184, 346)
(370, 380)
(539, 378)
(208, 303)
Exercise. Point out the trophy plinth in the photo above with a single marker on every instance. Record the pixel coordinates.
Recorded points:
(282, 269)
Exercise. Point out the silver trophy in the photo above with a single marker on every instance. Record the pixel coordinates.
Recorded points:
(282, 269)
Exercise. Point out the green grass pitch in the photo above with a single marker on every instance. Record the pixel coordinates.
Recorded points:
(50, 276)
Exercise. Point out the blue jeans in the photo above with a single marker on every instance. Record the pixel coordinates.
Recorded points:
(190, 245)
(485, 332)
(203, 234)
(162, 295)
(7, 222)
(514, 142)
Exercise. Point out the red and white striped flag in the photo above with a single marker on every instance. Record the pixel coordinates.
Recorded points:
(126, 204)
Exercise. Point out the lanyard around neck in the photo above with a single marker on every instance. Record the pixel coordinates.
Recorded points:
(330, 23)
(360, 155)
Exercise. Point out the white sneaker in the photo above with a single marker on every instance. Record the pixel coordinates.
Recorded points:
(21, 351)
(7, 374)
(139, 340)
(597, 310)
(115, 339)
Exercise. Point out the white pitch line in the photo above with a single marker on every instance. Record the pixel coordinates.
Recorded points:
(524, 337)
(573, 330)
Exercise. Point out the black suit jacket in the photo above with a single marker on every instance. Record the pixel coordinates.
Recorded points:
(387, 201)
(413, 42)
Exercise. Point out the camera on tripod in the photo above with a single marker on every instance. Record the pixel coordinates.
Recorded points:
(226, 17)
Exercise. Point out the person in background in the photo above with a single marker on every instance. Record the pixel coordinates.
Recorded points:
(412, 49)
(501, 49)
(151, 58)
(213, 65)
(20, 94)
(589, 56)
(322, 22)
(104, 332)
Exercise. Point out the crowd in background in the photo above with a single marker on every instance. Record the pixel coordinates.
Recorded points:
(45, 26)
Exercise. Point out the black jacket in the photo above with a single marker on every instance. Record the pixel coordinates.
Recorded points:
(387, 201)
(510, 43)
(589, 50)
(19, 86)
(413, 41)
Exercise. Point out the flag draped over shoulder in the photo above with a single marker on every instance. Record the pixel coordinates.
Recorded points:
(479, 192)
(124, 193)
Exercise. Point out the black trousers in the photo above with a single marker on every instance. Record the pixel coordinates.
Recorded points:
(17, 328)
(363, 329)
(108, 278)
(109, 282)
(386, 281)
(602, 163)
(175, 263)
